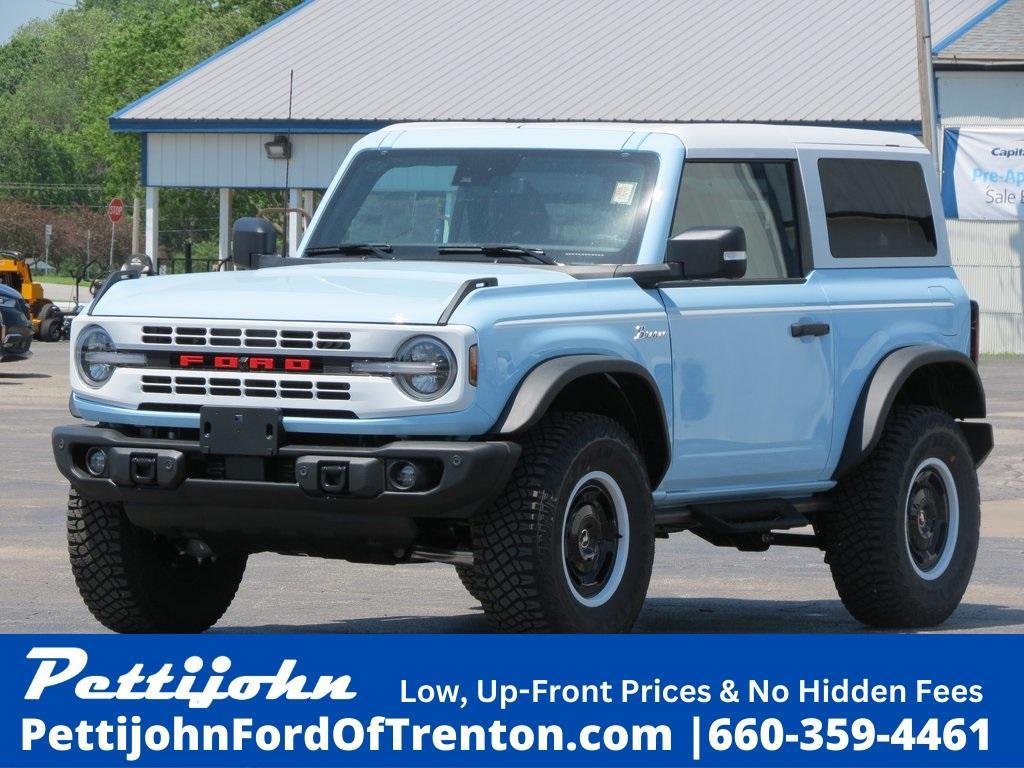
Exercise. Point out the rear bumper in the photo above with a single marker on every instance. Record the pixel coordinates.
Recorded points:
(278, 503)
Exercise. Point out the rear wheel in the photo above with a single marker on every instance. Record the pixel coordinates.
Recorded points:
(51, 329)
(903, 537)
(51, 321)
(133, 580)
(569, 545)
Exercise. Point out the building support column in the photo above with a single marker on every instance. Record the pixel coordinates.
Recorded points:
(926, 80)
(136, 222)
(293, 222)
(224, 227)
(153, 225)
(307, 206)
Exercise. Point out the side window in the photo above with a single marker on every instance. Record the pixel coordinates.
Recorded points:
(757, 196)
(876, 209)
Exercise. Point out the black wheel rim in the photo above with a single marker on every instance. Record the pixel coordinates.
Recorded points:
(591, 543)
(927, 518)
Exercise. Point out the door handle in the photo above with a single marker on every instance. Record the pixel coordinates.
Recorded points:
(800, 330)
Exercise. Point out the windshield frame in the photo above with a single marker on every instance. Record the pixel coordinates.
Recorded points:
(629, 254)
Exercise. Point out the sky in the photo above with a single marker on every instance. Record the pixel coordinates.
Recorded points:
(14, 13)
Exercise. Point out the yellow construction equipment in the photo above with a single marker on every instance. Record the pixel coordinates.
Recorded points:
(47, 318)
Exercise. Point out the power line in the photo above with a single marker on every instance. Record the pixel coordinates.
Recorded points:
(34, 185)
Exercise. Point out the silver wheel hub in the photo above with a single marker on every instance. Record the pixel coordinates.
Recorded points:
(932, 518)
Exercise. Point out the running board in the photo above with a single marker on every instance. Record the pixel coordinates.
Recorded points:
(746, 525)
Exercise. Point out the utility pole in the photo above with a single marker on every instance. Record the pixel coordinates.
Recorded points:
(926, 78)
(47, 236)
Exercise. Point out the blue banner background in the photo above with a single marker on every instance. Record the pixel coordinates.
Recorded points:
(377, 664)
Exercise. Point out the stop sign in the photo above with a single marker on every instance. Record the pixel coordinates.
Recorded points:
(115, 210)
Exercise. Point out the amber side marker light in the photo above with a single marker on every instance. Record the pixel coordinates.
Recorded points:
(472, 364)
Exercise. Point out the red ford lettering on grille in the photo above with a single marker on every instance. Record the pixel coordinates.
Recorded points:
(242, 363)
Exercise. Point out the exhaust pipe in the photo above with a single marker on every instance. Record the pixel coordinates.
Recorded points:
(434, 555)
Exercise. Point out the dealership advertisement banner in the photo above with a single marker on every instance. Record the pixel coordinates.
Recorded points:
(983, 173)
(773, 700)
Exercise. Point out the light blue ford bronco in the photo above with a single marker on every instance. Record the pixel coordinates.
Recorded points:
(530, 351)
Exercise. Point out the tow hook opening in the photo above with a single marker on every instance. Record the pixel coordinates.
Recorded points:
(333, 478)
(143, 469)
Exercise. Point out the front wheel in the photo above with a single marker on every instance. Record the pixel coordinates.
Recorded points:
(903, 536)
(569, 545)
(133, 580)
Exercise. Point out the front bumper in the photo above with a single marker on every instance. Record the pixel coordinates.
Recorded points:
(16, 343)
(278, 503)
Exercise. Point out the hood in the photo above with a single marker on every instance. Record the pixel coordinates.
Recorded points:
(414, 292)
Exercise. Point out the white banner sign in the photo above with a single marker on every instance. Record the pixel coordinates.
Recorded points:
(983, 173)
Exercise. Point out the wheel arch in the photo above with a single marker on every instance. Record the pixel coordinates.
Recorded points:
(621, 389)
(918, 375)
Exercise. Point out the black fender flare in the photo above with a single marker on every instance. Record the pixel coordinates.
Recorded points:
(963, 397)
(543, 383)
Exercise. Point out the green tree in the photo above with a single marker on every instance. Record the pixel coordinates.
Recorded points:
(62, 78)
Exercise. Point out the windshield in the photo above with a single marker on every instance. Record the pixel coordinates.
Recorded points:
(578, 207)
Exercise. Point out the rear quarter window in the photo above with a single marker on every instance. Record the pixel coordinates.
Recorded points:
(877, 209)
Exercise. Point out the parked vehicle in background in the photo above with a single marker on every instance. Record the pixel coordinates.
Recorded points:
(47, 319)
(531, 350)
(15, 326)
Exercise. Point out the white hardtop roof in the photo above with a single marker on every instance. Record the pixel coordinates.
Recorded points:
(613, 135)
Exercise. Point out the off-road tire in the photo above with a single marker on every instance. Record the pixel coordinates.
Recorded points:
(523, 582)
(470, 580)
(865, 534)
(130, 583)
(51, 329)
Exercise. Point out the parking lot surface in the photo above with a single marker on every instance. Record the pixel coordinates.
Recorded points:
(695, 587)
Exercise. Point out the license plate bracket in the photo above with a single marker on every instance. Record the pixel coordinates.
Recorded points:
(229, 431)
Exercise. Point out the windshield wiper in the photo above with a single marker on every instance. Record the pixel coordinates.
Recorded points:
(516, 251)
(350, 249)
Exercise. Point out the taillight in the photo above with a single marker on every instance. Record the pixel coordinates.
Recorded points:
(975, 331)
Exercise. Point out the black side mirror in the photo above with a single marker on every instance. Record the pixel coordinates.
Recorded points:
(251, 238)
(708, 252)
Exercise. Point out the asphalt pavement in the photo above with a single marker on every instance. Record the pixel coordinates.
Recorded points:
(695, 588)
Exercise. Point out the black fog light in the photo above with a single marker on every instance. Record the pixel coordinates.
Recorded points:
(404, 475)
(96, 462)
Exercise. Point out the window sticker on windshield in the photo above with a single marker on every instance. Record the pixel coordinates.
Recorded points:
(623, 192)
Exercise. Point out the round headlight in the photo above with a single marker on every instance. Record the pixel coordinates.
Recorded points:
(438, 365)
(94, 347)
